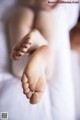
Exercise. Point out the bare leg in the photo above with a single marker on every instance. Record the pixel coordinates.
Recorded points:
(46, 25)
(20, 24)
(34, 76)
(23, 39)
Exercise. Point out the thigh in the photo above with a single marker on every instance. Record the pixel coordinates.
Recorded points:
(20, 23)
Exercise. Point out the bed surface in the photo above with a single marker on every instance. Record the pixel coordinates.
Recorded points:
(61, 94)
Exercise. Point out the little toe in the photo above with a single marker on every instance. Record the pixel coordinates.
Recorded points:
(36, 97)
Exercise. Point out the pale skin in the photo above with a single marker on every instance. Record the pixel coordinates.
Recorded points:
(34, 35)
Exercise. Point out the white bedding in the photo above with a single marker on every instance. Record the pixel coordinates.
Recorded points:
(58, 102)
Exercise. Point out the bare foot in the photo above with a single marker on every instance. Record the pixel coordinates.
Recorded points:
(29, 43)
(34, 79)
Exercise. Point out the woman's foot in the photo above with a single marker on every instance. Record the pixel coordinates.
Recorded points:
(29, 43)
(34, 79)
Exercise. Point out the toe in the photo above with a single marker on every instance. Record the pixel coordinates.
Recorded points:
(25, 91)
(19, 54)
(25, 45)
(14, 55)
(36, 97)
(24, 79)
(29, 95)
(25, 85)
(24, 49)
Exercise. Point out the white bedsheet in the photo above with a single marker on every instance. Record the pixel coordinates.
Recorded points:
(58, 102)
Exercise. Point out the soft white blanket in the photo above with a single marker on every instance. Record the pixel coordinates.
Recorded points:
(58, 102)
